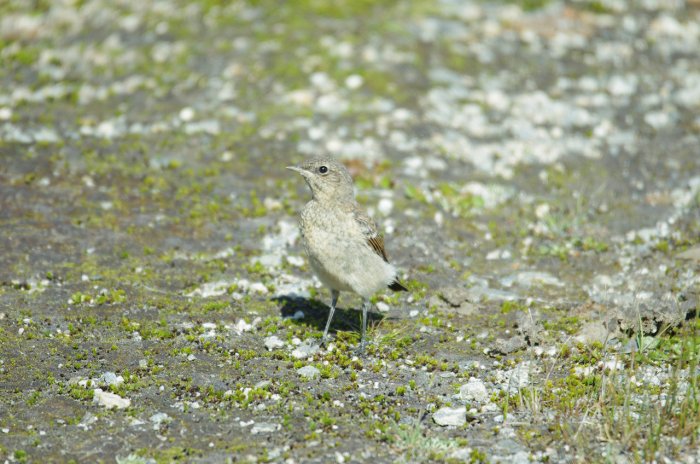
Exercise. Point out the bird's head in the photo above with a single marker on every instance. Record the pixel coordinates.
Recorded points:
(327, 178)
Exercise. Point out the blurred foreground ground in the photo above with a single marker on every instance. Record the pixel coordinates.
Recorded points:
(535, 168)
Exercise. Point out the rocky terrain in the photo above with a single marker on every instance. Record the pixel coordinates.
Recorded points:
(535, 169)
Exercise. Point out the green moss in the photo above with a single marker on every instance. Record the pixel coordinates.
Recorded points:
(168, 455)
(567, 324)
(597, 6)
(591, 244)
(414, 193)
(214, 306)
(418, 289)
(79, 298)
(512, 306)
(81, 393)
(21, 456)
(663, 246)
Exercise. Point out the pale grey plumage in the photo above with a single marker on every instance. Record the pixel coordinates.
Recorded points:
(344, 247)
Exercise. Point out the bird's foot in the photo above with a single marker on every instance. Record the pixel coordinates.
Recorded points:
(325, 340)
(361, 349)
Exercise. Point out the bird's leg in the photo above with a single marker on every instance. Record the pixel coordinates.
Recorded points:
(365, 309)
(334, 300)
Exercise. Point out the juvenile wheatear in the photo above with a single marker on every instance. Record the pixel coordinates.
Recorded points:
(345, 249)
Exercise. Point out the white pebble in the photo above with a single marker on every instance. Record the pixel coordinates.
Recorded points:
(542, 210)
(186, 114)
(309, 372)
(242, 326)
(474, 390)
(273, 342)
(297, 261)
(385, 206)
(110, 400)
(354, 81)
(383, 307)
(439, 218)
(258, 287)
(450, 416)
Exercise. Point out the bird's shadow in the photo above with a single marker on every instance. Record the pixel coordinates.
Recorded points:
(316, 314)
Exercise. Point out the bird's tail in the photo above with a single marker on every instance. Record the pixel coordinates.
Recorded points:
(397, 286)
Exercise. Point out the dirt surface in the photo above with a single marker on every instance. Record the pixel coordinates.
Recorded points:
(534, 167)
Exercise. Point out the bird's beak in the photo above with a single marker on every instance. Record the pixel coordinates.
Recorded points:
(296, 169)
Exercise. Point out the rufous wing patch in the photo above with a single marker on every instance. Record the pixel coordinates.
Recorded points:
(377, 244)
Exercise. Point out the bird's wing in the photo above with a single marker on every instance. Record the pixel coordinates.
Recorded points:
(369, 230)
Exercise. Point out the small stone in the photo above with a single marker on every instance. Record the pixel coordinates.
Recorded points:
(385, 206)
(594, 331)
(210, 289)
(439, 218)
(264, 427)
(272, 204)
(498, 254)
(658, 119)
(529, 326)
(542, 210)
(354, 81)
(450, 416)
(304, 350)
(517, 378)
(615, 364)
(242, 326)
(309, 372)
(87, 420)
(160, 418)
(503, 346)
(461, 454)
(299, 314)
(584, 371)
(528, 279)
(186, 114)
(453, 300)
(455, 296)
(258, 287)
(263, 384)
(691, 254)
(622, 86)
(273, 342)
(296, 261)
(110, 378)
(383, 307)
(521, 457)
(110, 400)
(474, 390)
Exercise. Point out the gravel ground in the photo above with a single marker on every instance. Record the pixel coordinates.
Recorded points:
(535, 169)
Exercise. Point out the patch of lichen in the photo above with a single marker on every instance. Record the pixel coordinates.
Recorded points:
(174, 453)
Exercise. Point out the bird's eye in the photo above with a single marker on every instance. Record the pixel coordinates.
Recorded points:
(323, 169)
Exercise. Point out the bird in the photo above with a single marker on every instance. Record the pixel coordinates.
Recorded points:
(344, 248)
